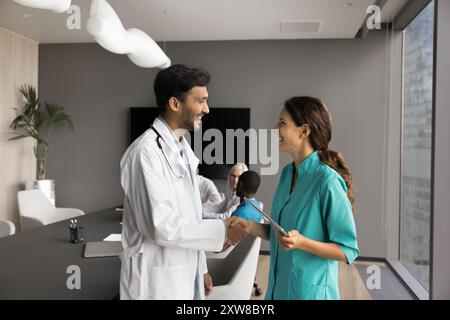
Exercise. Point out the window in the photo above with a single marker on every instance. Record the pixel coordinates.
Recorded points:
(415, 201)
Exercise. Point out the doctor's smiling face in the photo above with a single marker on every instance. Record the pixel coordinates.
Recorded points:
(193, 107)
(181, 96)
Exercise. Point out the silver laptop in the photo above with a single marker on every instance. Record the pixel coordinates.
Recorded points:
(103, 249)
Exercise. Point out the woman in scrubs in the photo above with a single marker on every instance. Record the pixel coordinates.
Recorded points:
(314, 199)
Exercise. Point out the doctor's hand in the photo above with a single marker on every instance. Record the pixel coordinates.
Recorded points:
(207, 280)
(237, 222)
(294, 240)
(235, 232)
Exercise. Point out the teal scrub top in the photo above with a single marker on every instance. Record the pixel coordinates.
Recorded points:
(246, 211)
(319, 209)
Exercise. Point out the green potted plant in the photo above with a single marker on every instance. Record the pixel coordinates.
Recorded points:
(37, 121)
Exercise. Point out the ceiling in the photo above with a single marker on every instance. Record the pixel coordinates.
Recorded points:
(202, 20)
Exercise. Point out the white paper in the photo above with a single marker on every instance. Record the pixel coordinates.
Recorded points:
(113, 237)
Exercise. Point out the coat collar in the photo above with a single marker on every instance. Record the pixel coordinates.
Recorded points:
(192, 158)
(170, 139)
(166, 134)
(308, 164)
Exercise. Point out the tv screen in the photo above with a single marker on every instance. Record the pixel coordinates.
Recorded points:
(221, 119)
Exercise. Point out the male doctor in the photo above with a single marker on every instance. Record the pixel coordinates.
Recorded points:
(164, 235)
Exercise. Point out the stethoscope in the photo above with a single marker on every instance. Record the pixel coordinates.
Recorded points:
(158, 136)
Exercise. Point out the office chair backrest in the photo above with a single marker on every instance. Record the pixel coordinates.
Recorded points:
(34, 208)
(234, 276)
(7, 228)
(244, 276)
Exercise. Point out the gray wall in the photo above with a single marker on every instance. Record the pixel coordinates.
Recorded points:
(98, 87)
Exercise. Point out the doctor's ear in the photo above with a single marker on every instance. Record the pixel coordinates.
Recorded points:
(305, 130)
(174, 104)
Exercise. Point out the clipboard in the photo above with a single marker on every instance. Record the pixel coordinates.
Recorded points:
(268, 218)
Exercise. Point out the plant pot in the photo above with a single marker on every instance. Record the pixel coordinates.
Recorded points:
(47, 187)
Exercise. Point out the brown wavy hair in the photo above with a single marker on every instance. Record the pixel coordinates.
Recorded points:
(312, 111)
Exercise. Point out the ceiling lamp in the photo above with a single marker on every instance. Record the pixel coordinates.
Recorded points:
(57, 6)
(107, 29)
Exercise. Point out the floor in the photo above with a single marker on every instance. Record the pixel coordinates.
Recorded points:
(262, 273)
(353, 281)
(388, 288)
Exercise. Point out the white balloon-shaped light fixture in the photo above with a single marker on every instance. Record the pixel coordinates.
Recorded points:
(107, 29)
(57, 6)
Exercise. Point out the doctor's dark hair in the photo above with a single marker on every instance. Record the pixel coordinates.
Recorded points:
(175, 81)
(250, 181)
(312, 111)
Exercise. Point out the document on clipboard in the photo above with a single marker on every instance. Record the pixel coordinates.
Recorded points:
(268, 218)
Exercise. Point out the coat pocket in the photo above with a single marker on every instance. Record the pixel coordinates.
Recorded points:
(299, 289)
(167, 283)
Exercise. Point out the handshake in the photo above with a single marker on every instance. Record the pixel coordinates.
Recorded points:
(237, 229)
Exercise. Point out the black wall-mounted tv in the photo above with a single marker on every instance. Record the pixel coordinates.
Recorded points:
(141, 119)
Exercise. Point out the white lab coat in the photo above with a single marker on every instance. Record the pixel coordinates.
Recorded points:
(208, 191)
(163, 232)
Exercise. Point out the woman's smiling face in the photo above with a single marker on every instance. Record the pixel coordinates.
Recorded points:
(290, 135)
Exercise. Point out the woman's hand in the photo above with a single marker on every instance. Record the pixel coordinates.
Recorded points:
(294, 240)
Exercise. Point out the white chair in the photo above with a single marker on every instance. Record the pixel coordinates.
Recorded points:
(233, 277)
(7, 228)
(36, 210)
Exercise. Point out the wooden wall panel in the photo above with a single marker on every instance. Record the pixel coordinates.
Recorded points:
(18, 65)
